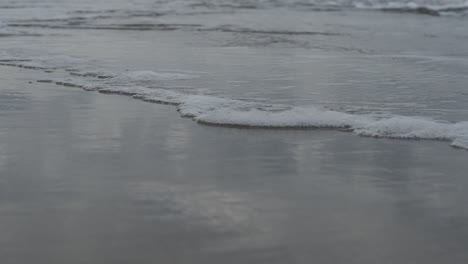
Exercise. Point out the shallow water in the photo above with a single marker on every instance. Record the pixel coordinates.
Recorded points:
(380, 73)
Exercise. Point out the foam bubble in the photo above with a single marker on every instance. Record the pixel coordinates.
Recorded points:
(309, 117)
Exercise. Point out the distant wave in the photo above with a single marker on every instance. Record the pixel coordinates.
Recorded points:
(427, 7)
(411, 7)
(138, 18)
(64, 16)
(75, 23)
(231, 112)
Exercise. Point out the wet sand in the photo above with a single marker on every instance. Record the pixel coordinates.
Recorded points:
(93, 178)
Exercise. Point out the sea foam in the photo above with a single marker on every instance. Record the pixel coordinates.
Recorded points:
(212, 110)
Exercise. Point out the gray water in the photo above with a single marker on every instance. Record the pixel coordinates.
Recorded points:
(87, 177)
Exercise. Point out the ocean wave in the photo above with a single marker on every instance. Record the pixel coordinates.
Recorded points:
(65, 16)
(417, 8)
(428, 7)
(146, 17)
(231, 112)
(82, 16)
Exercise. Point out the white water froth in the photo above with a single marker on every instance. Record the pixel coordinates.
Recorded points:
(212, 110)
(460, 143)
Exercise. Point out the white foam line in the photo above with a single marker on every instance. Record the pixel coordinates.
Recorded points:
(219, 111)
(235, 113)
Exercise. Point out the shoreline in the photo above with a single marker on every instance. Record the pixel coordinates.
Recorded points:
(457, 143)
